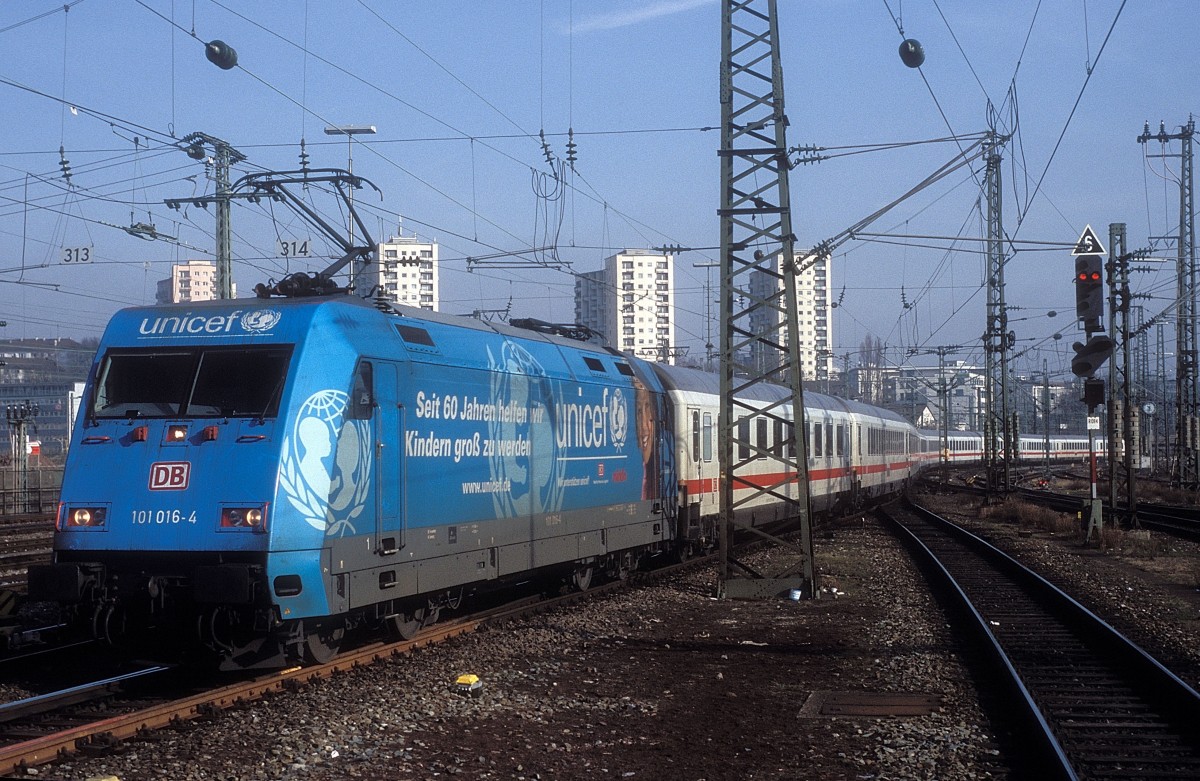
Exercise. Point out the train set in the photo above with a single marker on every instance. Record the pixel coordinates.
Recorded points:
(258, 477)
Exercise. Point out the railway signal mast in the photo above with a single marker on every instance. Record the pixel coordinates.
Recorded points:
(1091, 354)
(757, 244)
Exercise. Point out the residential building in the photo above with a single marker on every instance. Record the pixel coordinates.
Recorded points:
(631, 303)
(194, 280)
(813, 305)
(408, 272)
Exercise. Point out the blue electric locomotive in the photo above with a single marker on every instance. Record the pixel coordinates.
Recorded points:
(260, 476)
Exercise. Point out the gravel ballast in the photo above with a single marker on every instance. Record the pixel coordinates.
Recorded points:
(663, 681)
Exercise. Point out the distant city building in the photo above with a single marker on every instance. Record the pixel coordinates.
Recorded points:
(48, 373)
(813, 323)
(195, 280)
(408, 272)
(631, 302)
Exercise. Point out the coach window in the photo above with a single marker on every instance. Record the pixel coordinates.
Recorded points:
(829, 440)
(841, 440)
(708, 437)
(743, 437)
(760, 439)
(817, 449)
(362, 399)
(695, 435)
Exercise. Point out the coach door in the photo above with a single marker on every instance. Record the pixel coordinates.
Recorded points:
(389, 482)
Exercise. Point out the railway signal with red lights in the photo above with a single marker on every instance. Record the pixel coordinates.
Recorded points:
(1089, 291)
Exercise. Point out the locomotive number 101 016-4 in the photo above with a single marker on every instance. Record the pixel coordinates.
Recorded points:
(163, 517)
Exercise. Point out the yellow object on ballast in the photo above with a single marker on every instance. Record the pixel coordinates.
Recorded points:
(470, 684)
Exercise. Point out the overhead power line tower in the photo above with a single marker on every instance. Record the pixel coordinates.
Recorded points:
(224, 156)
(1187, 389)
(763, 455)
(997, 434)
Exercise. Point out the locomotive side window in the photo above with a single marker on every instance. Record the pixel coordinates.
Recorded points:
(218, 382)
(413, 335)
(362, 397)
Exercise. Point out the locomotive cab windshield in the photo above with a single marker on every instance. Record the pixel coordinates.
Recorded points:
(191, 382)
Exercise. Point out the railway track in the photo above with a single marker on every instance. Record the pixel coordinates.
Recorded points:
(1181, 522)
(56, 724)
(1092, 703)
(24, 540)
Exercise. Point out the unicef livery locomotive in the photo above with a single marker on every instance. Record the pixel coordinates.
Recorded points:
(262, 479)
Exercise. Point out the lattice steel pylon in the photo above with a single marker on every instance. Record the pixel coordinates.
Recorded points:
(1186, 470)
(997, 433)
(763, 453)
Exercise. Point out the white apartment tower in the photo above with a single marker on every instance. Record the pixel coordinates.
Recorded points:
(813, 305)
(631, 302)
(408, 271)
(195, 280)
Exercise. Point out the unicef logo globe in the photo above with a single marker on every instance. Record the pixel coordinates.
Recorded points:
(326, 469)
(533, 484)
(327, 406)
(261, 320)
(618, 418)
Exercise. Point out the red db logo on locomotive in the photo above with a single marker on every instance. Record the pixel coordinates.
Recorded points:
(170, 475)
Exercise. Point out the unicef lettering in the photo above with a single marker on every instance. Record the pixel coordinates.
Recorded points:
(255, 321)
(582, 425)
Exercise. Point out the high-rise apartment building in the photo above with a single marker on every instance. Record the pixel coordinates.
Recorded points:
(408, 271)
(813, 305)
(631, 302)
(195, 280)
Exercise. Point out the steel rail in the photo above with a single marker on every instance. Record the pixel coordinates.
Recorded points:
(1090, 694)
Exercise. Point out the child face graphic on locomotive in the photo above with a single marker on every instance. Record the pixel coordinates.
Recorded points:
(644, 411)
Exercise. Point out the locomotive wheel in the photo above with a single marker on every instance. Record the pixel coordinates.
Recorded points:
(406, 625)
(108, 624)
(581, 579)
(324, 640)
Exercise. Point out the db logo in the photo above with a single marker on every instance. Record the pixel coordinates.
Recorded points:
(170, 475)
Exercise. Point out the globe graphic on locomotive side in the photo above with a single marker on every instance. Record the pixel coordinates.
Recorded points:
(534, 482)
(321, 446)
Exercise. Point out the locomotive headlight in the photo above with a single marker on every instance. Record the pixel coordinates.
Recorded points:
(177, 433)
(79, 517)
(252, 518)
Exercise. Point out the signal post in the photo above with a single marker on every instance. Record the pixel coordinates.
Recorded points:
(1091, 354)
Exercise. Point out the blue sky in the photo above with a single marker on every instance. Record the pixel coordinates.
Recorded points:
(459, 92)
